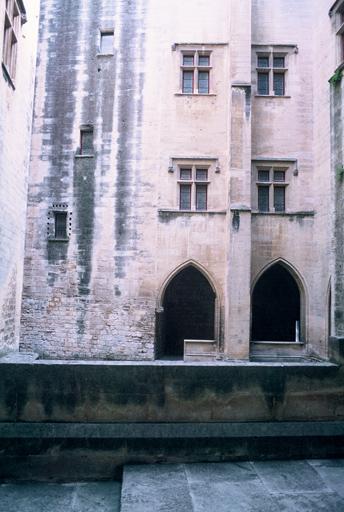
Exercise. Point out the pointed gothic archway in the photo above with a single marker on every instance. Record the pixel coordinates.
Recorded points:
(188, 311)
(276, 306)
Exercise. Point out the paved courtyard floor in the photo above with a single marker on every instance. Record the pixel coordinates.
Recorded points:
(283, 486)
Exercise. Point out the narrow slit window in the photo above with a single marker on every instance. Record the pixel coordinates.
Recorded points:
(279, 199)
(60, 224)
(263, 199)
(107, 42)
(86, 141)
(263, 83)
(203, 82)
(201, 197)
(185, 197)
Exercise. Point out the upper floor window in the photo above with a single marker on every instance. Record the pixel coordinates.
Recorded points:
(86, 140)
(271, 74)
(14, 16)
(195, 72)
(107, 42)
(193, 188)
(271, 188)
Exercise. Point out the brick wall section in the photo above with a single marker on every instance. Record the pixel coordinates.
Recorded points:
(15, 133)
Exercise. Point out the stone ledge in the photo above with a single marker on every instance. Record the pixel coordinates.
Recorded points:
(171, 430)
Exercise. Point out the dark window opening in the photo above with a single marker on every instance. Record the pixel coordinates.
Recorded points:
(263, 83)
(263, 62)
(86, 141)
(185, 174)
(203, 82)
(189, 312)
(263, 175)
(107, 42)
(279, 176)
(263, 199)
(279, 199)
(203, 60)
(201, 174)
(60, 224)
(279, 84)
(188, 60)
(185, 197)
(201, 197)
(188, 78)
(278, 62)
(276, 306)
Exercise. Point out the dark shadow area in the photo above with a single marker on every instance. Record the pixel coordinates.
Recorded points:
(189, 311)
(275, 306)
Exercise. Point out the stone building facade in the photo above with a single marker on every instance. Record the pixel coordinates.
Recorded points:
(181, 195)
(18, 40)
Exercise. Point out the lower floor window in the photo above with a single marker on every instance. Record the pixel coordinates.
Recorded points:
(193, 188)
(271, 189)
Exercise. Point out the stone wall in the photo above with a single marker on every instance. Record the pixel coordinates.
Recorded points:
(95, 296)
(16, 103)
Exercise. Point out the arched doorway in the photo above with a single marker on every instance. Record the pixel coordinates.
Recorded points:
(189, 311)
(276, 306)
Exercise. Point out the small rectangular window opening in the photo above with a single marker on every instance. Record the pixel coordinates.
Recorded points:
(86, 141)
(263, 199)
(185, 197)
(188, 60)
(201, 174)
(107, 42)
(263, 62)
(279, 199)
(185, 174)
(188, 85)
(60, 225)
(201, 197)
(263, 175)
(279, 84)
(203, 82)
(203, 60)
(263, 83)
(279, 175)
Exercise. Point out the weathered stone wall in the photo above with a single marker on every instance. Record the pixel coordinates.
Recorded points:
(16, 102)
(95, 296)
(296, 127)
(52, 391)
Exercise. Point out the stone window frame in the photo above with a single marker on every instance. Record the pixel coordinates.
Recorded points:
(106, 31)
(80, 153)
(15, 17)
(288, 167)
(337, 14)
(210, 49)
(194, 184)
(195, 68)
(272, 51)
(60, 207)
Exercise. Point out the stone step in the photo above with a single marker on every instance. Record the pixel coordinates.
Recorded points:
(305, 486)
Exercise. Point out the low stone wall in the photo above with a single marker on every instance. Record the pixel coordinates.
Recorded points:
(85, 420)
